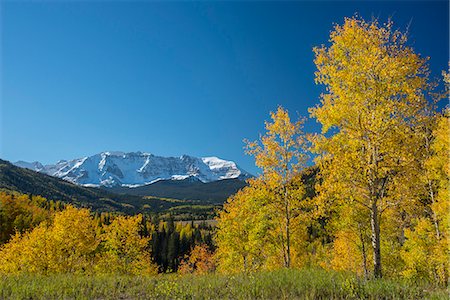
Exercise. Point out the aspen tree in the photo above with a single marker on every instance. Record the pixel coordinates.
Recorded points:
(375, 89)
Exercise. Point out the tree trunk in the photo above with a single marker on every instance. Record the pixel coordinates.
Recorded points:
(245, 262)
(375, 226)
(283, 245)
(366, 272)
(435, 220)
(288, 234)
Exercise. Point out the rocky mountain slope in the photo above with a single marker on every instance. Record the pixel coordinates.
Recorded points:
(113, 169)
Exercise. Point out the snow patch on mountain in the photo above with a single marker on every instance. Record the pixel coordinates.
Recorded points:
(137, 168)
(35, 166)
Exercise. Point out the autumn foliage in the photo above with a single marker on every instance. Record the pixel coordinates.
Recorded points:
(375, 204)
(381, 199)
(72, 242)
(200, 261)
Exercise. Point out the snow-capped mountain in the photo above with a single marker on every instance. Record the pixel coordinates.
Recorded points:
(137, 168)
(35, 166)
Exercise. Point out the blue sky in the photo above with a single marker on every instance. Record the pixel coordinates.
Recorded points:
(172, 78)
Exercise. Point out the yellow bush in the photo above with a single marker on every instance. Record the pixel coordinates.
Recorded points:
(123, 250)
(72, 243)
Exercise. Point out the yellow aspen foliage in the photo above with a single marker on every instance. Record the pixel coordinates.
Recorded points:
(27, 252)
(123, 249)
(74, 239)
(426, 251)
(264, 226)
(346, 252)
(186, 232)
(19, 213)
(351, 239)
(67, 245)
(73, 243)
(243, 237)
(423, 257)
(200, 261)
(280, 154)
(375, 91)
(439, 166)
(395, 223)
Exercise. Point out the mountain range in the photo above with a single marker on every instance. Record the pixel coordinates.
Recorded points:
(189, 196)
(194, 197)
(135, 169)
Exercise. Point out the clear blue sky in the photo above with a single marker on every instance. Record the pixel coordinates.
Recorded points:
(171, 78)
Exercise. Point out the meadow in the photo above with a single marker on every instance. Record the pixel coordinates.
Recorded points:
(280, 284)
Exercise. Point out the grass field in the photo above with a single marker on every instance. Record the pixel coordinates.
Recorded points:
(283, 284)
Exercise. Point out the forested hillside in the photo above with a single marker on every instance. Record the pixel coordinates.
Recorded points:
(25, 181)
(187, 189)
(150, 244)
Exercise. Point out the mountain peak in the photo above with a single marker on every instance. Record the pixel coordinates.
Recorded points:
(116, 168)
(37, 166)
